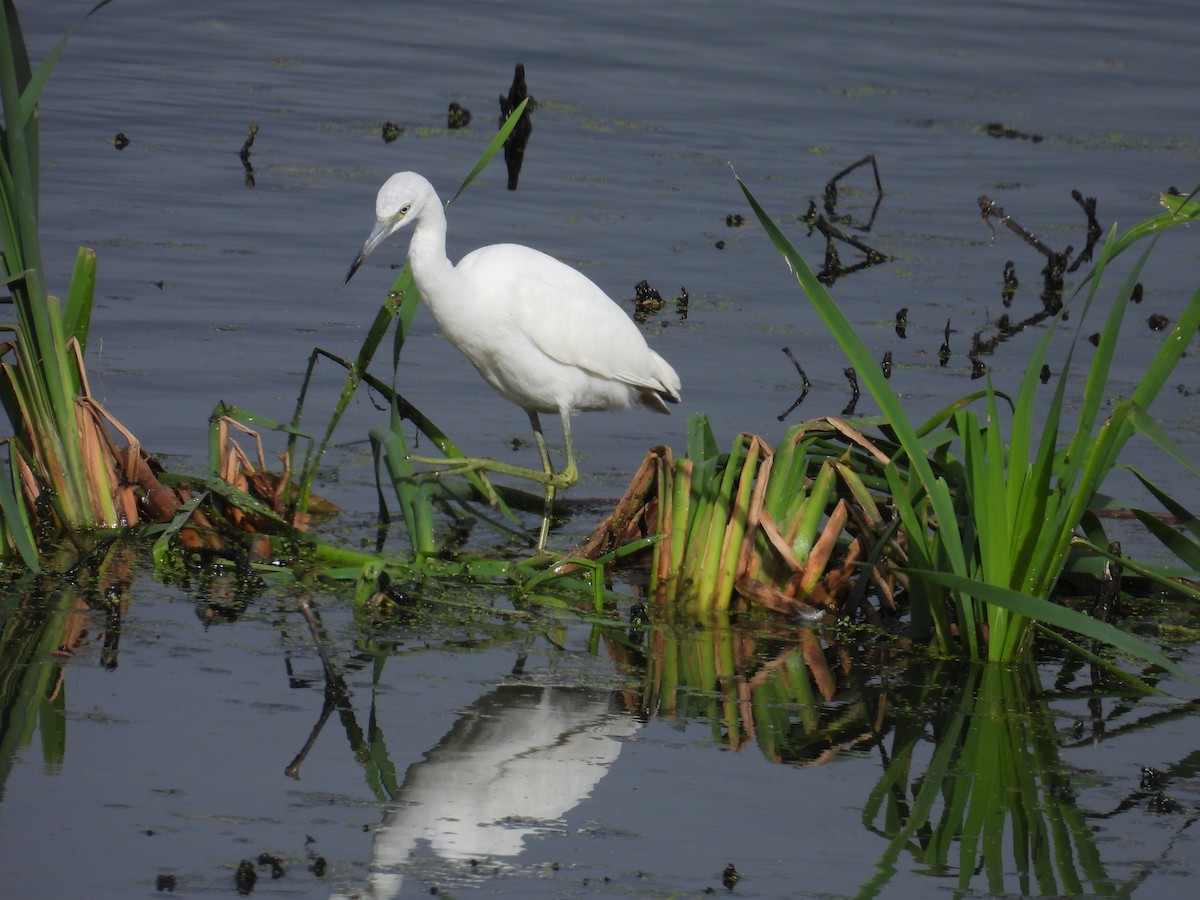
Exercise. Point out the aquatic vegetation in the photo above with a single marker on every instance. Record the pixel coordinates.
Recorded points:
(992, 517)
(973, 515)
(72, 467)
(991, 800)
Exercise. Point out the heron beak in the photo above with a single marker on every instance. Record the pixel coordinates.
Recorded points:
(377, 236)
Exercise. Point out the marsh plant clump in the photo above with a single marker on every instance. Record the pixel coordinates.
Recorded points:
(990, 506)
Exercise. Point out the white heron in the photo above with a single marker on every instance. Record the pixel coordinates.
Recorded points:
(538, 331)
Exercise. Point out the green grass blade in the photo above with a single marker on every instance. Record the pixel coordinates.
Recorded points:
(1182, 207)
(1049, 613)
(701, 445)
(494, 147)
(1101, 455)
(1105, 665)
(14, 517)
(414, 498)
(1187, 551)
(78, 313)
(1182, 516)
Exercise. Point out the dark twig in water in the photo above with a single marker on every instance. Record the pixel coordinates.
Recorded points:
(852, 377)
(807, 385)
(681, 303)
(1005, 328)
(944, 350)
(833, 269)
(244, 153)
(989, 209)
(1056, 263)
(336, 693)
(1010, 283)
(1094, 232)
(831, 189)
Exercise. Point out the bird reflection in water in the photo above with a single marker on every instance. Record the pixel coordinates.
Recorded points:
(517, 761)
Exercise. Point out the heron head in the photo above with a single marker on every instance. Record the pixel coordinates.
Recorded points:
(399, 203)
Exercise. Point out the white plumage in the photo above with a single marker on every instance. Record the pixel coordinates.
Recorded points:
(538, 331)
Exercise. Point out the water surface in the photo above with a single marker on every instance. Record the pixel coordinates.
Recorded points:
(209, 289)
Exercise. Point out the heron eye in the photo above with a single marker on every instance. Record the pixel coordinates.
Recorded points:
(405, 208)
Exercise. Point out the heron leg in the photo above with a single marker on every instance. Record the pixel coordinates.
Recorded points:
(548, 468)
(570, 474)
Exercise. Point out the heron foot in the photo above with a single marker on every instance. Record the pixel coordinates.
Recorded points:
(462, 465)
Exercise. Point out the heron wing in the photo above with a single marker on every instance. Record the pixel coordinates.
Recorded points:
(569, 318)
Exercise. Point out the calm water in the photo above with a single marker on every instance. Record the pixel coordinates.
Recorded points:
(211, 290)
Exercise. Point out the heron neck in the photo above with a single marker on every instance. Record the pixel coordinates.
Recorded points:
(427, 252)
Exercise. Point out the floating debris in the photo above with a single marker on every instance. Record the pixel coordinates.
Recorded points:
(276, 864)
(1161, 804)
(646, 299)
(121, 141)
(735, 220)
(886, 365)
(902, 322)
(391, 131)
(1158, 322)
(1136, 296)
(730, 877)
(457, 117)
(1044, 375)
(998, 130)
(245, 878)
